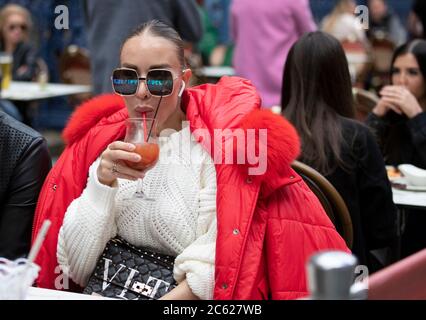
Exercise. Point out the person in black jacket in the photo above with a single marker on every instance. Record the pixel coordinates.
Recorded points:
(317, 99)
(399, 122)
(24, 164)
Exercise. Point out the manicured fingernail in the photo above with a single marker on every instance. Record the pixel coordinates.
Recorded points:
(137, 158)
(131, 147)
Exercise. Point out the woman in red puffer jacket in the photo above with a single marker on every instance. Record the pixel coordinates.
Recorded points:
(264, 221)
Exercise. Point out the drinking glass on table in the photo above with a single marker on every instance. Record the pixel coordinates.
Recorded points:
(16, 277)
(142, 132)
(6, 65)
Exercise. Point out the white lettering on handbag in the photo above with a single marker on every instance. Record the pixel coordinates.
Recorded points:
(157, 285)
(105, 283)
(127, 284)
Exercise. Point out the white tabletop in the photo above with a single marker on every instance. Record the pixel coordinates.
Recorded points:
(29, 91)
(409, 198)
(215, 72)
(47, 294)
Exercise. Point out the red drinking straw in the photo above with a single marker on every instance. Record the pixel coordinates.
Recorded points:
(144, 126)
(155, 115)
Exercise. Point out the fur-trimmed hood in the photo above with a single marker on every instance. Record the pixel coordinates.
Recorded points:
(232, 103)
(88, 114)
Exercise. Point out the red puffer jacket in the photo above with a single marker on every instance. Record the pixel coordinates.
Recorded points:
(268, 225)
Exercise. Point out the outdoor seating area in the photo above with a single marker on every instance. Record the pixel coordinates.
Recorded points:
(235, 150)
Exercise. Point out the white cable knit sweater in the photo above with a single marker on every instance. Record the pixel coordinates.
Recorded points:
(180, 222)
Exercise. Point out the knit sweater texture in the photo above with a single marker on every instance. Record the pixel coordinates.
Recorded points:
(181, 221)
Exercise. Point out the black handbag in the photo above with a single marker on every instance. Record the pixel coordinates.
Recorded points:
(126, 272)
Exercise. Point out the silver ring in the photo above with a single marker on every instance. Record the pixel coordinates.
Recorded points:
(114, 168)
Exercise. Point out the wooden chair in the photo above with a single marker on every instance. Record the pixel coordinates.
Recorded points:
(74, 68)
(329, 198)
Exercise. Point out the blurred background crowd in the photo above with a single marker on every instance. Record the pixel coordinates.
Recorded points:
(225, 33)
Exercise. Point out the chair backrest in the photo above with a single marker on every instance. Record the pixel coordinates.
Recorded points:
(73, 63)
(74, 68)
(330, 199)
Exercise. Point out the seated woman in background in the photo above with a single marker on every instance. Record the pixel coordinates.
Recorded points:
(15, 26)
(399, 118)
(24, 164)
(236, 234)
(317, 99)
(385, 23)
(399, 122)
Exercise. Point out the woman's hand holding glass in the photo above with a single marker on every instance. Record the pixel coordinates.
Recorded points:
(133, 157)
(115, 162)
(400, 100)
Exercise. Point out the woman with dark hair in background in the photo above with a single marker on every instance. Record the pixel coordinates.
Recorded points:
(399, 122)
(399, 118)
(317, 99)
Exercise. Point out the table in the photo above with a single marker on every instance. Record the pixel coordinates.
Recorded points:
(409, 199)
(215, 72)
(211, 74)
(48, 294)
(406, 200)
(31, 91)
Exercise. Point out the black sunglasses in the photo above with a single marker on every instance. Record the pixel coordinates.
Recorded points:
(23, 27)
(159, 82)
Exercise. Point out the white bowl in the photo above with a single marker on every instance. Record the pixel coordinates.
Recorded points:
(415, 176)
